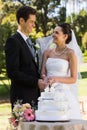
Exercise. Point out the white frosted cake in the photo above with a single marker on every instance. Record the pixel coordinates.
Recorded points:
(52, 106)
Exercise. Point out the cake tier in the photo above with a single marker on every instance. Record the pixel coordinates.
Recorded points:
(59, 96)
(51, 115)
(46, 95)
(53, 105)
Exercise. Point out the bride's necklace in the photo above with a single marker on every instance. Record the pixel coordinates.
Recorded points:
(58, 54)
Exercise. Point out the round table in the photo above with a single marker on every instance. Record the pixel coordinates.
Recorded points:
(68, 125)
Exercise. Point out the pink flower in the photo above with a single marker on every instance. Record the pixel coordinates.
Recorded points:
(26, 106)
(13, 121)
(29, 115)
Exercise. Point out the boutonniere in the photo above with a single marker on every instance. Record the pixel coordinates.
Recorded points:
(37, 47)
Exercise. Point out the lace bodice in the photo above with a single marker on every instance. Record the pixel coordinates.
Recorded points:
(60, 67)
(57, 67)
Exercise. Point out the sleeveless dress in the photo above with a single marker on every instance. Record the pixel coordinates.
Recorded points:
(60, 67)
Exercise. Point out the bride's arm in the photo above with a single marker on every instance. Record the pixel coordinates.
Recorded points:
(73, 67)
(73, 71)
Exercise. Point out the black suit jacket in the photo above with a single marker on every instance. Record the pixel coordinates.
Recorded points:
(22, 70)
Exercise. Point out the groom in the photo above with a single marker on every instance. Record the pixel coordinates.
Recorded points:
(20, 60)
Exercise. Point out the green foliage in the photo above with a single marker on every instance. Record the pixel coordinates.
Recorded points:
(62, 16)
(4, 85)
(46, 19)
(85, 53)
(4, 33)
(45, 15)
(7, 27)
(6, 30)
(9, 18)
(83, 12)
(79, 25)
(34, 35)
(4, 91)
(84, 40)
(10, 6)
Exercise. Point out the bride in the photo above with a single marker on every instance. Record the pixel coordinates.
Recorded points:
(59, 66)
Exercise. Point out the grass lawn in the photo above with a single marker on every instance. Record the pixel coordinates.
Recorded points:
(82, 87)
(6, 107)
(5, 113)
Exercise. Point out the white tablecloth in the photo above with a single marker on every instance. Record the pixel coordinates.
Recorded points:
(70, 125)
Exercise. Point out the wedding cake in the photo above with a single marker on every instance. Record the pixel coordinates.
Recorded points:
(52, 105)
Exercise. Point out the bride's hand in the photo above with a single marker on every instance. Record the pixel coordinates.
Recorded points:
(51, 80)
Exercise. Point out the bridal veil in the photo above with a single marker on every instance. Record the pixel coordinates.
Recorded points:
(47, 43)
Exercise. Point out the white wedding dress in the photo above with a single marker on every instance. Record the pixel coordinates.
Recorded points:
(60, 67)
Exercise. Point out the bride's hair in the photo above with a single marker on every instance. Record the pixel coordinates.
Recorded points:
(66, 28)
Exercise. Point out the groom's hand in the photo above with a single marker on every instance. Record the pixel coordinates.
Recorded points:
(41, 84)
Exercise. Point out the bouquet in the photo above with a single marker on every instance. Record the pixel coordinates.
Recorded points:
(21, 112)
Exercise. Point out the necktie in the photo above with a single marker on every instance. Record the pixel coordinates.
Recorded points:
(30, 45)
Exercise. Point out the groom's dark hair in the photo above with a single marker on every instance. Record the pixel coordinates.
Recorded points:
(24, 12)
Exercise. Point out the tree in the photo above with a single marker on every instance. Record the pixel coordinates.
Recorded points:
(79, 24)
(46, 15)
(62, 15)
(8, 26)
(49, 13)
